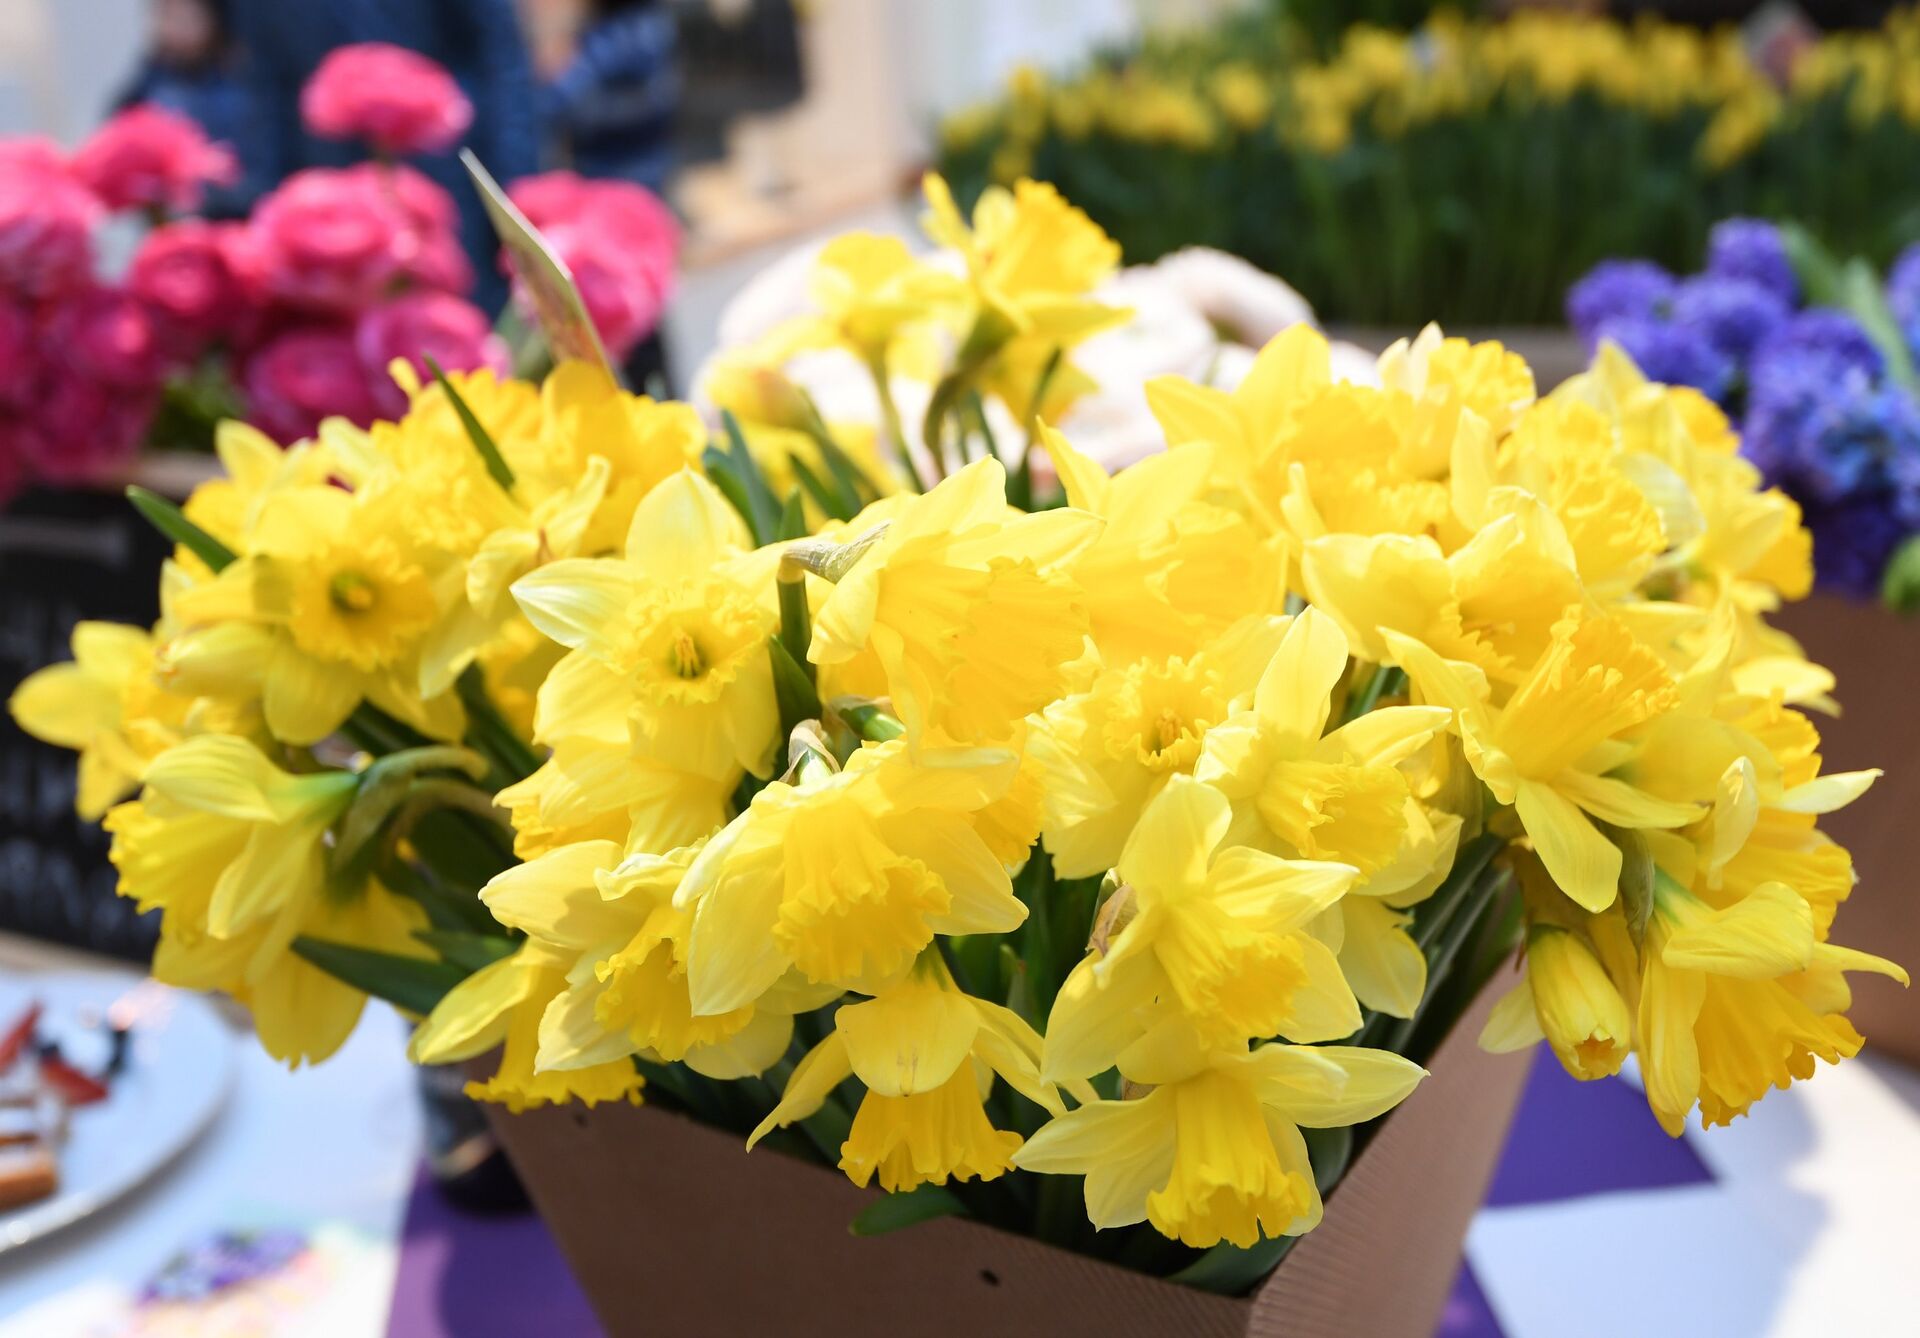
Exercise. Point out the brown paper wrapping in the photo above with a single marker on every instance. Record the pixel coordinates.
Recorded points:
(672, 1228)
(1875, 655)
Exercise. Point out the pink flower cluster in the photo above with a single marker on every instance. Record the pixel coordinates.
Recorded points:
(304, 306)
(393, 99)
(621, 244)
(354, 267)
(336, 274)
(77, 359)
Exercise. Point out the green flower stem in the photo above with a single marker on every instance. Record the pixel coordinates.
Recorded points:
(890, 415)
(488, 731)
(796, 619)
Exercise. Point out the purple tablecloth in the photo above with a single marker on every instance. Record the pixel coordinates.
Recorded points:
(499, 1277)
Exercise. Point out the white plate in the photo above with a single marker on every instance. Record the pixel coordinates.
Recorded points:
(177, 1077)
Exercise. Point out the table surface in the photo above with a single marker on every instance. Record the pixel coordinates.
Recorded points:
(1794, 1221)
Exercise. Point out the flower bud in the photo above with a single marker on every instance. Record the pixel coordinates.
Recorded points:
(1582, 1013)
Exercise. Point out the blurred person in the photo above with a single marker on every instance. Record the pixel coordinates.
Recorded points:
(611, 106)
(479, 41)
(191, 67)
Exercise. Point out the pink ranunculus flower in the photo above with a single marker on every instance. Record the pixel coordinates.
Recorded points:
(46, 222)
(302, 375)
(151, 158)
(619, 241)
(333, 241)
(623, 300)
(189, 274)
(438, 259)
(397, 100)
(450, 330)
(550, 197)
(21, 362)
(81, 430)
(35, 152)
(108, 336)
(441, 264)
(427, 204)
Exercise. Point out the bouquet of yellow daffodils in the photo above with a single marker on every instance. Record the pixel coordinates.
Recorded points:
(1017, 835)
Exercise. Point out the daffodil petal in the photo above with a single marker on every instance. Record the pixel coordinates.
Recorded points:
(1582, 863)
(1328, 1086)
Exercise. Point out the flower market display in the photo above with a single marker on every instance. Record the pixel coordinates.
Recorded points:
(1451, 172)
(289, 316)
(1096, 854)
(1817, 361)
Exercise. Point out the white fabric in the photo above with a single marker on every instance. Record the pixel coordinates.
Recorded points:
(1806, 1230)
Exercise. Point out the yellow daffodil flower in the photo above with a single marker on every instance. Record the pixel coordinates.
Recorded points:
(1739, 999)
(1548, 750)
(1567, 997)
(105, 704)
(232, 851)
(332, 606)
(1031, 260)
(1218, 933)
(612, 921)
(847, 875)
(1300, 790)
(501, 1005)
(1171, 569)
(926, 1053)
(968, 606)
(1213, 1152)
(669, 641)
(1103, 754)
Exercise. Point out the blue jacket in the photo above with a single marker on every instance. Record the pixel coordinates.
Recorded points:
(480, 41)
(613, 105)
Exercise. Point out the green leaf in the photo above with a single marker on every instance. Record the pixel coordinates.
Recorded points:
(793, 518)
(447, 841)
(977, 410)
(413, 984)
(446, 907)
(1864, 298)
(1821, 275)
(471, 952)
(1034, 887)
(1019, 995)
(373, 730)
(891, 1212)
(856, 489)
(489, 731)
(823, 497)
(766, 507)
(167, 518)
(1900, 585)
(795, 694)
(476, 433)
(722, 475)
(1329, 1150)
(1232, 1271)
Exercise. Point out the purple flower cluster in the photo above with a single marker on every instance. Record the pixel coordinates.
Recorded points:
(1618, 290)
(1752, 249)
(1820, 416)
